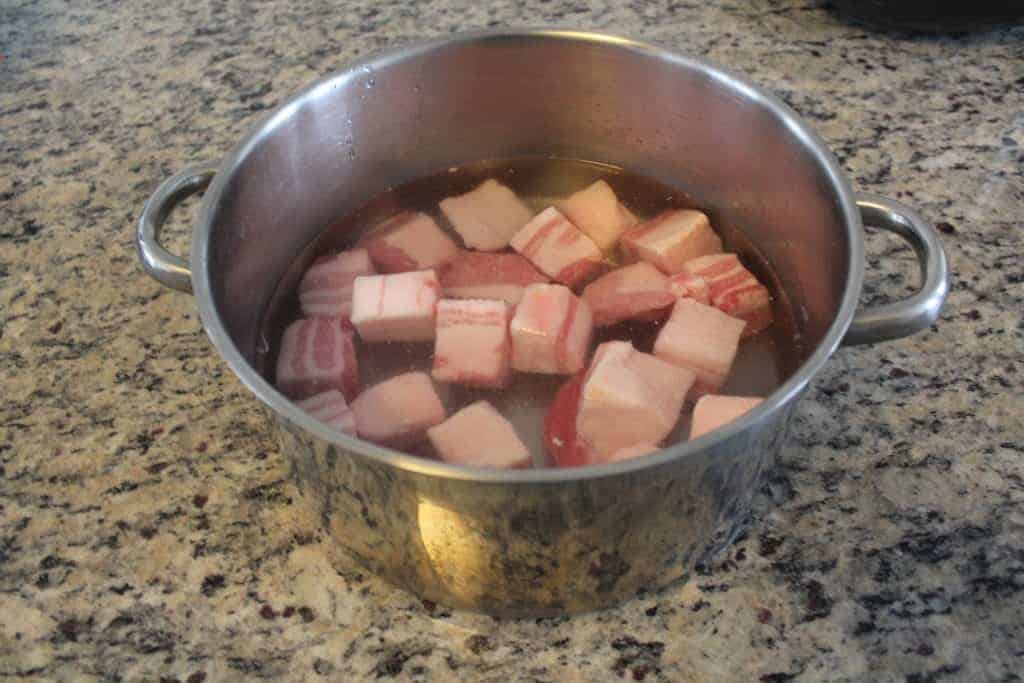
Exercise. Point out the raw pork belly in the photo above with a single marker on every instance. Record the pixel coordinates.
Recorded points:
(397, 412)
(639, 290)
(481, 275)
(671, 239)
(597, 212)
(326, 287)
(558, 248)
(472, 346)
(628, 398)
(631, 452)
(317, 354)
(408, 241)
(332, 409)
(686, 286)
(397, 307)
(702, 339)
(551, 331)
(479, 436)
(711, 412)
(487, 217)
(734, 290)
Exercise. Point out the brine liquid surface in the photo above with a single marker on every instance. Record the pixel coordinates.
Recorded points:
(762, 363)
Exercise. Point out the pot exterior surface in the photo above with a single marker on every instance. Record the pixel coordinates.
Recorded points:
(531, 541)
(533, 549)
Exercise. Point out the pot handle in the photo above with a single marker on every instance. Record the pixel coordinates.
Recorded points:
(921, 309)
(166, 268)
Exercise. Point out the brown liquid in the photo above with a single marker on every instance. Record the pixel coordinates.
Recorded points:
(762, 363)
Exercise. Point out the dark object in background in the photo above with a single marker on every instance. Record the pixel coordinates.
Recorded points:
(932, 15)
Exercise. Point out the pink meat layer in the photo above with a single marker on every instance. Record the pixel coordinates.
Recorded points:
(317, 354)
(331, 408)
(628, 398)
(702, 339)
(551, 331)
(713, 411)
(397, 307)
(479, 436)
(408, 241)
(670, 239)
(483, 275)
(487, 216)
(596, 211)
(557, 247)
(639, 290)
(397, 412)
(686, 286)
(734, 290)
(326, 286)
(472, 346)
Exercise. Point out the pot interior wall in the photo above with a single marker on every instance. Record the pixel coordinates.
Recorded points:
(382, 125)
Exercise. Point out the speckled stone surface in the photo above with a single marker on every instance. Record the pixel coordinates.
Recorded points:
(147, 527)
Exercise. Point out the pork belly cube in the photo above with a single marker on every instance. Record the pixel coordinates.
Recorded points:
(551, 331)
(702, 339)
(597, 212)
(631, 452)
(488, 216)
(408, 241)
(398, 411)
(628, 398)
(397, 307)
(472, 345)
(671, 239)
(331, 408)
(639, 290)
(629, 219)
(713, 411)
(751, 303)
(558, 248)
(317, 354)
(326, 286)
(734, 290)
(483, 275)
(560, 442)
(479, 436)
(686, 286)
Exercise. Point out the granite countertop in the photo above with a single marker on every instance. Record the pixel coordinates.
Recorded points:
(148, 530)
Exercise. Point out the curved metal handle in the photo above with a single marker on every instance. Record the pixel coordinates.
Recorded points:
(166, 268)
(902, 318)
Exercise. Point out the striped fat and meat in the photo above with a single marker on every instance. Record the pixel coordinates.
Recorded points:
(734, 290)
(551, 331)
(398, 307)
(326, 286)
(485, 275)
(472, 346)
(559, 249)
(670, 239)
(636, 291)
(408, 241)
(331, 408)
(317, 354)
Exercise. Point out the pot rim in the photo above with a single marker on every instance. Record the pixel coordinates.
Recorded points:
(763, 413)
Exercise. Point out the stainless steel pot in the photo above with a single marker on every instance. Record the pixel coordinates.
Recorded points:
(541, 541)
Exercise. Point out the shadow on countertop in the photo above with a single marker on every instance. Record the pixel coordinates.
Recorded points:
(942, 17)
